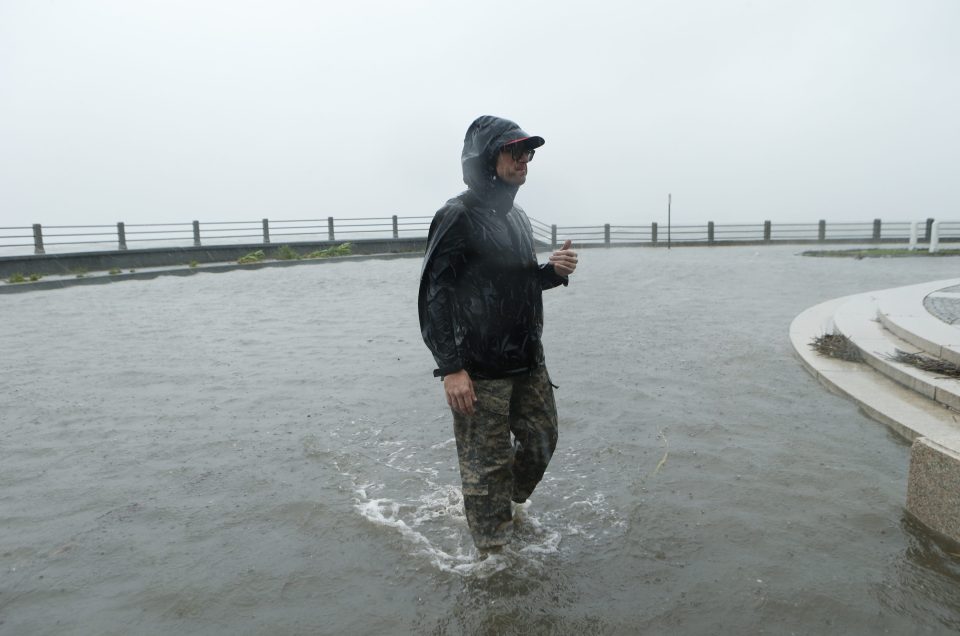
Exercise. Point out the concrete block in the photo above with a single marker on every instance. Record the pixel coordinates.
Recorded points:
(946, 393)
(933, 487)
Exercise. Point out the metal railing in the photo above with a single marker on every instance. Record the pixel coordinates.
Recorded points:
(266, 231)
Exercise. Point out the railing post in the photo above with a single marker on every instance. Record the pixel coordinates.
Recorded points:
(709, 231)
(934, 237)
(122, 235)
(266, 231)
(913, 235)
(196, 233)
(653, 233)
(396, 229)
(37, 239)
(766, 230)
(929, 229)
(822, 230)
(330, 228)
(876, 229)
(606, 234)
(553, 236)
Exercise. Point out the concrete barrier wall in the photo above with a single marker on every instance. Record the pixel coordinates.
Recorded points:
(47, 264)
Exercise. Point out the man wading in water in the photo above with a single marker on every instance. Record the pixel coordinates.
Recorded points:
(481, 315)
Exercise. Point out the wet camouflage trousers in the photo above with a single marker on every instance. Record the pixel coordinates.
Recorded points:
(495, 470)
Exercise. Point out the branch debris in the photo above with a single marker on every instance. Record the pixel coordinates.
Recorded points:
(836, 345)
(927, 363)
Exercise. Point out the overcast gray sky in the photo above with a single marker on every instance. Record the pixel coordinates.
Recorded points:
(173, 110)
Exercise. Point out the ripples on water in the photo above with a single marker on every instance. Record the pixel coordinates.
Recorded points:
(266, 452)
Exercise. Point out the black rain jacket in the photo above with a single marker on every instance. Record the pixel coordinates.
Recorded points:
(480, 286)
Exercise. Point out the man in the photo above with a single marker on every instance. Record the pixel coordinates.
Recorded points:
(481, 315)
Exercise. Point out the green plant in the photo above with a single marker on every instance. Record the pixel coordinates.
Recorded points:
(894, 252)
(343, 249)
(114, 271)
(79, 272)
(16, 278)
(35, 277)
(287, 253)
(194, 263)
(252, 257)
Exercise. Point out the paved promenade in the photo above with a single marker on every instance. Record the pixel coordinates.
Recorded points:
(922, 407)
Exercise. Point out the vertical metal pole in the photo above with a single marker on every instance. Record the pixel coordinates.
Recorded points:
(653, 233)
(606, 234)
(876, 230)
(913, 235)
(669, 201)
(766, 231)
(37, 239)
(822, 230)
(709, 231)
(122, 235)
(553, 236)
(396, 229)
(266, 231)
(196, 233)
(929, 229)
(330, 228)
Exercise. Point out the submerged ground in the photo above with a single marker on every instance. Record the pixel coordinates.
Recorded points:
(266, 452)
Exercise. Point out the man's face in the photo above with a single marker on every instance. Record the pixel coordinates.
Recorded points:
(512, 165)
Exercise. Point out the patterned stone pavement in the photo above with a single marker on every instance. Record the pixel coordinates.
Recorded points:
(945, 304)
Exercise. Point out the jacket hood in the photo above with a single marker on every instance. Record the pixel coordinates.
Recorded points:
(481, 145)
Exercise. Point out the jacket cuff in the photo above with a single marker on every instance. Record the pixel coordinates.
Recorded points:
(447, 370)
(557, 278)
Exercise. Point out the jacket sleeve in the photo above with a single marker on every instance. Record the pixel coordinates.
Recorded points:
(438, 296)
(549, 278)
(545, 272)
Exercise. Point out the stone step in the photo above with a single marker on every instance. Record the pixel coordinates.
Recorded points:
(858, 320)
(902, 312)
(906, 412)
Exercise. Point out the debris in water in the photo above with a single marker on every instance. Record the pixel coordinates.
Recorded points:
(666, 453)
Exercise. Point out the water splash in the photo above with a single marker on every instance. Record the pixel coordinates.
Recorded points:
(435, 526)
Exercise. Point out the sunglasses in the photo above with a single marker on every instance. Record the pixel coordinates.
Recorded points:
(518, 152)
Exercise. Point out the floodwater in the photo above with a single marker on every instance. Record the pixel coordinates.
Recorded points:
(266, 452)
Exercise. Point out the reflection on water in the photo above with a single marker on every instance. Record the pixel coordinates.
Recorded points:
(266, 452)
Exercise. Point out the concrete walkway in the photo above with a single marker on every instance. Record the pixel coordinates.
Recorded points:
(922, 407)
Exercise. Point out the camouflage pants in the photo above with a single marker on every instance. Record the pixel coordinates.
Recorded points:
(493, 470)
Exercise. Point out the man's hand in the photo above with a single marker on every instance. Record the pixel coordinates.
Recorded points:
(564, 260)
(460, 394)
